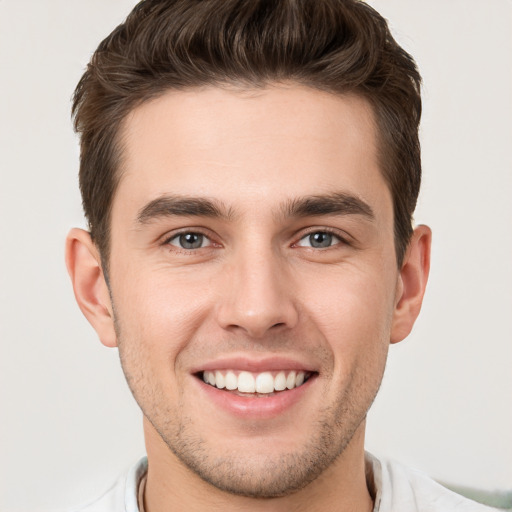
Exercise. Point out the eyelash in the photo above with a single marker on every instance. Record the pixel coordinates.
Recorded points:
(312, 231)
(324, 230)
(182, 250)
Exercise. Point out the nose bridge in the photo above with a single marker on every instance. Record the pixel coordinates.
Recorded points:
(257, 296)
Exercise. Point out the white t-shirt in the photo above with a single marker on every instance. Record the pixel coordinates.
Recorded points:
(397, 489)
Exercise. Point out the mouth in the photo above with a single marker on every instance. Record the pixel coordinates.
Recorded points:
(257, 388)
(252, 384)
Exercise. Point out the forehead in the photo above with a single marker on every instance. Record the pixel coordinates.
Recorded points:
(249, 147)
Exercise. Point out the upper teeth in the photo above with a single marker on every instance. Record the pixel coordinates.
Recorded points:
(247, 382)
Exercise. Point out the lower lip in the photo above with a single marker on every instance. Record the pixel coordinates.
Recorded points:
(256, 407)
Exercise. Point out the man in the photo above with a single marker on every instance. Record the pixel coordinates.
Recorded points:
(249, 171)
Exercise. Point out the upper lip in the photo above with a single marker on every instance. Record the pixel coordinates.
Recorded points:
(255, 364)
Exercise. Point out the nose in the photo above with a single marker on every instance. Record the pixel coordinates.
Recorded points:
(257, 296)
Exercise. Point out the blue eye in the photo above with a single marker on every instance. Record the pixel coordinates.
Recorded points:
(190, 241)
(319, 240)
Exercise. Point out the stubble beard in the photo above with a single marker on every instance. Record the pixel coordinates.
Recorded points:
(251, 475)
(254, 475)
(261, 476)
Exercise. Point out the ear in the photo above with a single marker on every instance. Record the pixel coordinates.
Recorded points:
(411, 284)
(91, 291)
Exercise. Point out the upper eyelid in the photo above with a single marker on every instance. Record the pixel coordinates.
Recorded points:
(166, 238)
(177, 235)
(332, 231)
(176, 249)
(342, 235)
(339, 240)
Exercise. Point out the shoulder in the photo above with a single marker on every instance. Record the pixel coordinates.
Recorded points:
(122, 496)
(399, 488)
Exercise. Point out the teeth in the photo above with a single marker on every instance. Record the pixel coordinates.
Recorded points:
(290, 380)
(265, 383)
(280, 381)
(247, 382)
(220, 381)
(231, 381)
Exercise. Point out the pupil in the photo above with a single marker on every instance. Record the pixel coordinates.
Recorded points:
(320, 239)
(191, 240)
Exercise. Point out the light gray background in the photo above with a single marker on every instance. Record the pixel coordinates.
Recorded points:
(68, 422)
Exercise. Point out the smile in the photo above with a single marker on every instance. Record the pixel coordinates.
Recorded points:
(263, 383)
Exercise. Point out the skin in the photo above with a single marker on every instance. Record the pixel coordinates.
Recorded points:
(256, 290)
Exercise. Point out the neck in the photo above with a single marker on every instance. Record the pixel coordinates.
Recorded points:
(172, 486)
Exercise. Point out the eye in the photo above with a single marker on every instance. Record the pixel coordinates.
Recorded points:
(319, 240)
(190, 240)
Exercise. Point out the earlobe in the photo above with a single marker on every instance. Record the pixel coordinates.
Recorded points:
(91, 291)
(412, 283)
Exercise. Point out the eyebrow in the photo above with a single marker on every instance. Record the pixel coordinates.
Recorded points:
(339, 203)
(170, 206)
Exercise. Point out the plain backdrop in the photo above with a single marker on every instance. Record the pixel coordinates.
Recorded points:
(68, 423)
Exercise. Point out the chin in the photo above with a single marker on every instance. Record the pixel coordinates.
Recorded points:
(268, 467)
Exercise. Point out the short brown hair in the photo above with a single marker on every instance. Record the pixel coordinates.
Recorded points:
(340, 46)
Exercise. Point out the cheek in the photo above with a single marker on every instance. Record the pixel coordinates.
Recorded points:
(156, 318)
(353, 311)
(160, 312)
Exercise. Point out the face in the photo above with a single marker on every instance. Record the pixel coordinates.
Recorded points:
(252, 248)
